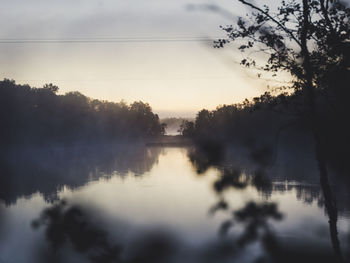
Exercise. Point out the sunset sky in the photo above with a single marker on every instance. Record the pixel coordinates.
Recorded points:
(131, 50)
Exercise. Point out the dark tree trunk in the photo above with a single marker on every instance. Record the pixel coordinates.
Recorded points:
(330, 202)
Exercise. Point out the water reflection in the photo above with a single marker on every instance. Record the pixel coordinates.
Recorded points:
(27, 171)
(290, 172)
(260, 160)
(178, 212)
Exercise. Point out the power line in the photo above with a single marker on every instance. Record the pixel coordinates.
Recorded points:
(101, 40)
(111, 37)
(128, 79)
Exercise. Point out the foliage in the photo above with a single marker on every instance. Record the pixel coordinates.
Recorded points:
(246, 121)
(283, 34)
(187, 128)
(39, 115)
(310, 39)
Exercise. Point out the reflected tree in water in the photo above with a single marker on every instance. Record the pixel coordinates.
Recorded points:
(255, 217)
(47, 170)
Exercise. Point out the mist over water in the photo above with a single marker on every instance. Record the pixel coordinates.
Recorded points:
(97, 166)
(153, 204)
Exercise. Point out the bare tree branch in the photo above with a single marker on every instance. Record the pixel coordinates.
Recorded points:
(272, 19)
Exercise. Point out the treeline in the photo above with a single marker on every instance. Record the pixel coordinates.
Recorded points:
(259, 124)
(243, 122)
(40, 116)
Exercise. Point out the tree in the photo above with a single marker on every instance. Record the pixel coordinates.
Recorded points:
(51, 87)
(186, 128)
(310, 39)
(39, 116)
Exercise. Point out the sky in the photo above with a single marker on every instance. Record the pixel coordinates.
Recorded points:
(155, 51)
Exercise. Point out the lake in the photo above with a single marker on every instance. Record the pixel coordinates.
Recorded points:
(157, 204)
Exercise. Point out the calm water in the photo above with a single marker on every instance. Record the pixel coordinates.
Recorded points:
(156, 205)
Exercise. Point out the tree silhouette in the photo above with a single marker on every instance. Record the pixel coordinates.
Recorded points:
(308, 39)
(38, 116)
